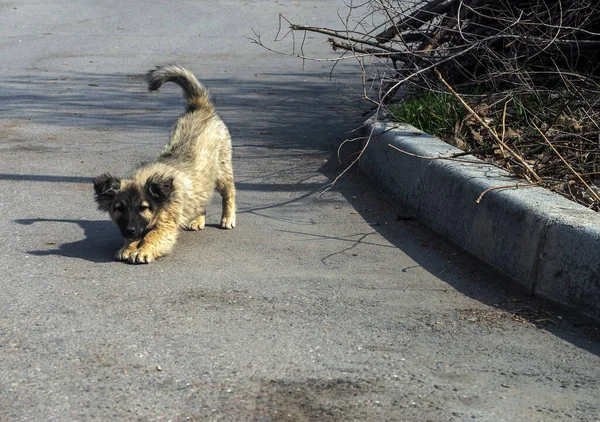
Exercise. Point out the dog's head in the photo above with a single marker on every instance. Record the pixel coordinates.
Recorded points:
(134, 207)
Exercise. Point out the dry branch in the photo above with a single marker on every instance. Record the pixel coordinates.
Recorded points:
(492, 132)
(416, 20)
(540, 56)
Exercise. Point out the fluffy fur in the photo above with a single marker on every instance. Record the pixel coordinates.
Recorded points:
(160, 198)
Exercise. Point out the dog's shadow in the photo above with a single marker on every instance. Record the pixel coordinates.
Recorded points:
(99, 245)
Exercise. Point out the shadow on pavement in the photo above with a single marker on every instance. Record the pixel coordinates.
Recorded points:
(468, 275)
(44, 178)
(98, 245)
(267, 110)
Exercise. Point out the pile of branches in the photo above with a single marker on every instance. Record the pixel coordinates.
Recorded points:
(487, 54)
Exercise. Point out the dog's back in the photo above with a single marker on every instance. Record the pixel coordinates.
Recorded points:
(200, 144)
(199, 140)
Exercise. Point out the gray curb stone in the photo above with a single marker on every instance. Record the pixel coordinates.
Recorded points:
(544, 242)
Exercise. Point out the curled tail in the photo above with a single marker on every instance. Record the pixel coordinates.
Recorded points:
(195, 94)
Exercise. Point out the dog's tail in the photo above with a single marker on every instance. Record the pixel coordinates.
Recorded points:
(195, 94)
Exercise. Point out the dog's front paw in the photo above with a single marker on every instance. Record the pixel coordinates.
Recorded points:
(198, 223)
(141, 256)
(228, 222)
(125, 252)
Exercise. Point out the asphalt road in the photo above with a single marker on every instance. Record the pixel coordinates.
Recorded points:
(311, 309)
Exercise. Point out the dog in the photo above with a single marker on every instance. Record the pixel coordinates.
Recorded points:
(171, 193)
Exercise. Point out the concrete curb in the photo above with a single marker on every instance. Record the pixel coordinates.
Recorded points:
(544, 242)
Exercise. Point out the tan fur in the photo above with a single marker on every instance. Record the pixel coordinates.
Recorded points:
(172, 192)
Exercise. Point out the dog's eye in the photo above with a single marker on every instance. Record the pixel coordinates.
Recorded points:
(144, 207)
(119, 208)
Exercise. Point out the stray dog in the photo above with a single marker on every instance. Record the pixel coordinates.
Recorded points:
(162, 197)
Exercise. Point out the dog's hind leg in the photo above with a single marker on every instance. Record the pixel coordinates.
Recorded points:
(226, 189)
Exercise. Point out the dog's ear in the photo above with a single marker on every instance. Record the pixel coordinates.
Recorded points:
(105, 189)
(160, 189)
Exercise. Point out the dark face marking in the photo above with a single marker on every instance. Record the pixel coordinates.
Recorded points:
(132, 207)
(132, 212)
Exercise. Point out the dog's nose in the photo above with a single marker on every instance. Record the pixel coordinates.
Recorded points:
(130, 231)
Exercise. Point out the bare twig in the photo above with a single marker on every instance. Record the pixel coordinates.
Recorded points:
(492, 132)
(513, 186)
(344, 35)
(452, 157)
(594, 194)
(356, 160)
(424, 14)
